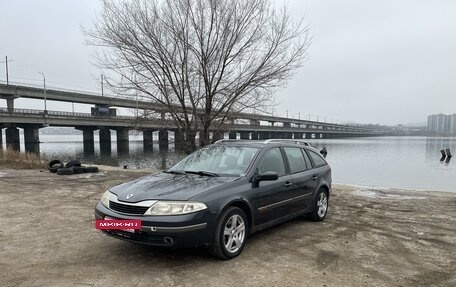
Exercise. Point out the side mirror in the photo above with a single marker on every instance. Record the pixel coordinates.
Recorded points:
(268, 175)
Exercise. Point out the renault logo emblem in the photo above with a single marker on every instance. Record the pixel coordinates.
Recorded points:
(130, 196)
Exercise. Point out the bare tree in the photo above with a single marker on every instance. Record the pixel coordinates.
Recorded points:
(203, 60)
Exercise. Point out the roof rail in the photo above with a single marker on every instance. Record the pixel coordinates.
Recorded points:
(230, 140)
(297, 141)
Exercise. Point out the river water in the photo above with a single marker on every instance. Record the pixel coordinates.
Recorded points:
(388, 162)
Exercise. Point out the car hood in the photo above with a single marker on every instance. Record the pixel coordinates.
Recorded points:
(165, 186)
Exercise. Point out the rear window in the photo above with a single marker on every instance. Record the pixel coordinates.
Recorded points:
(316, 158)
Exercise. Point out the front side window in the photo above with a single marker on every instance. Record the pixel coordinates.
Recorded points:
(220, 159)
(272, 160)
(295, 159)
(316, 158)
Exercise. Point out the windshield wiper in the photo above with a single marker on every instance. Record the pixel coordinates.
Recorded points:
(174, 171)
(202, 173)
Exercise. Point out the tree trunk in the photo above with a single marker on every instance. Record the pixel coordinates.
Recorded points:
(206, 136)
(190, 145)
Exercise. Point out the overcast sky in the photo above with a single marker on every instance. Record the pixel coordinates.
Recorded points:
(387, 62)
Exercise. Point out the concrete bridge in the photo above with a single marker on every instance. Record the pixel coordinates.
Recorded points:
(247, 126)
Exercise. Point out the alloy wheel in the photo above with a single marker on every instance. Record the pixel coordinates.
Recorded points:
(322, 204)
(234, 233)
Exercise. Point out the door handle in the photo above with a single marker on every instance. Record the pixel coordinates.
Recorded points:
(288, 183)
(314, 177)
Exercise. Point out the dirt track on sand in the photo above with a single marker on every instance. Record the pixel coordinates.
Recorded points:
(370, 238)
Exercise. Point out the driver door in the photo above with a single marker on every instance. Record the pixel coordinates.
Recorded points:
(272, 199)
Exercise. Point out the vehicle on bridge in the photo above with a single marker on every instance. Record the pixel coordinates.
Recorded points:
(220, 194)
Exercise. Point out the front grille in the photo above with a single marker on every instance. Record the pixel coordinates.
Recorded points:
(129, 209)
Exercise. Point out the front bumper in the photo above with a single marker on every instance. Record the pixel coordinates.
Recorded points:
(194, 229)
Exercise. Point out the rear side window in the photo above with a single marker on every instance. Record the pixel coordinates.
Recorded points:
(316, 158)
(295, 159)
(272, 160)
(307, 160)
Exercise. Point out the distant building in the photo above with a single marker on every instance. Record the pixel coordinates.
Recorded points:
(452, 123)
(443, 124)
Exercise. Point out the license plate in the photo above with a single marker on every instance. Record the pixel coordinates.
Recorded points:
(126, 230)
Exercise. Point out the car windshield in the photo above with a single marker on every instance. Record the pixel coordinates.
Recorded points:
(217, 160)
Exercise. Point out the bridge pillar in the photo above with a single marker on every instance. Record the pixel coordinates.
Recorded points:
(232, 135)
(163, 140)
(122, 141)
(32, 139)
(245, 135)
(1, 138)
(148, 144)
(12, 138)
(254, 135)
(298, 135)
(264, 135)
(88, 140)
(179, 140)
(9, 102)
(105, 141)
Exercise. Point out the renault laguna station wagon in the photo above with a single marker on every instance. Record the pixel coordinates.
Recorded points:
(220, 194)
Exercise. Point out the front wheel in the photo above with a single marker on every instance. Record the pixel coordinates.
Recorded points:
(230, 234)
(320, 207)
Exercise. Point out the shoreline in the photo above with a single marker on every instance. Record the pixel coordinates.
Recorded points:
(396, 190)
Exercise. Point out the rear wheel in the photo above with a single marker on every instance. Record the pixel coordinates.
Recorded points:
(230, 234)
(320, 206)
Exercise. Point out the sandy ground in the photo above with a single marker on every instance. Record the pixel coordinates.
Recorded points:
(370, 238)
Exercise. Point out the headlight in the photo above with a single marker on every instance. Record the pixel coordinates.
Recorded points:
(105, 198)
(175, 207)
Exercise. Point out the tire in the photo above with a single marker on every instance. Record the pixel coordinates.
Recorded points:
(320, 206)
(78, 169)
(54, 165)
(91, 169)
(65, 171)
(74, 162)
(221, 240)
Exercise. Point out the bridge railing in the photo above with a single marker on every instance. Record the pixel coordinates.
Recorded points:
(61, 113)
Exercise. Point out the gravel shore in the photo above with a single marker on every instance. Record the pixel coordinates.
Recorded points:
(371, 237)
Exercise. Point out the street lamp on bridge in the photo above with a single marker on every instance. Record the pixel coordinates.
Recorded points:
(45, 103)
(44, 88)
